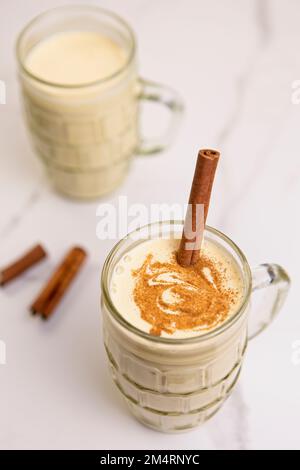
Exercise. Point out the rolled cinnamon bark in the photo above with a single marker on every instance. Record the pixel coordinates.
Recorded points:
(192, 235)
(29, 259)
(59, 283)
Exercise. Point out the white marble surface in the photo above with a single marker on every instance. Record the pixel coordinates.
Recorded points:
(234, 63)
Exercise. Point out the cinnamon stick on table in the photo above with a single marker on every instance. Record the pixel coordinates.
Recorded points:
(192, 235)
(29, 259)
(59, 283)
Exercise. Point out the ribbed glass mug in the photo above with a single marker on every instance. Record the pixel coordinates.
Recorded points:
(87, 134)
(173, 385)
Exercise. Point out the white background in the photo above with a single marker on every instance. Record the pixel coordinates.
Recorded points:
(234, 63)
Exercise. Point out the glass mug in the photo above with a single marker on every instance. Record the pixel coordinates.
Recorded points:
(173, 385)
(87, 134)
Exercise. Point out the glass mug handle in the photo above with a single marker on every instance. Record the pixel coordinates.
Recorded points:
(275, 282)
(151, 91)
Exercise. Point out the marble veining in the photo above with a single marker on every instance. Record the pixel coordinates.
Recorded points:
(18, 216)
(247, 113)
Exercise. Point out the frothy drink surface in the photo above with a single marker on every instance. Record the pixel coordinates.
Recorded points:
(74, 58)
(156, 295)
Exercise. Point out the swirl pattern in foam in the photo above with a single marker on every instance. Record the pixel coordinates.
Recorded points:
(157, 295)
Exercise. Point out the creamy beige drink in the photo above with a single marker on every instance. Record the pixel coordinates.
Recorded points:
(172, 335)
(158, 296)
(180, 374)
(81, 91)
(84, 129)
(75, 58)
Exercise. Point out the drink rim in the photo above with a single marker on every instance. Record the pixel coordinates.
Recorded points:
(91, 8)
(106, 298)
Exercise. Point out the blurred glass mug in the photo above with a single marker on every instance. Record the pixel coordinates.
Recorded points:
(171, 384)
(87, 133)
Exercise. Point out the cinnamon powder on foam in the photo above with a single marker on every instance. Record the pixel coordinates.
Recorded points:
(171, 297)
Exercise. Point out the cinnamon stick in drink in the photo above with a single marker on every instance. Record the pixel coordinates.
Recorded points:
(29, 259)
(59, 283)
(190, 244)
